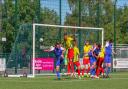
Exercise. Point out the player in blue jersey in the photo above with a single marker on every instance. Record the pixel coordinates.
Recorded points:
(93, 59)
(108, 57)
(96, 56)
(92, 63)
(58, 51)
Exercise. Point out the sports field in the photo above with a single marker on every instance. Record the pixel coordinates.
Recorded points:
(117, 81)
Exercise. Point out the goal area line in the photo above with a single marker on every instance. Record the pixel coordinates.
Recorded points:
(53, 74)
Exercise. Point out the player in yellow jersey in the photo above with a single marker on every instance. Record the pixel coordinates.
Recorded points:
(76, 58)
(68, 40)
(86, 61)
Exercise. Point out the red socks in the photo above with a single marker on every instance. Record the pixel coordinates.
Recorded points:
(70, 67)
(88, 70)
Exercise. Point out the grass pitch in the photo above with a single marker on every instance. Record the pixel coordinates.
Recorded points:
(117, 81)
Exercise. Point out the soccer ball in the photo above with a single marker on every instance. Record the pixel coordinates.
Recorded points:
(41, 39)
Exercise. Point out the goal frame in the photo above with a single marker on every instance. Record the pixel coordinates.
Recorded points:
(58, 26)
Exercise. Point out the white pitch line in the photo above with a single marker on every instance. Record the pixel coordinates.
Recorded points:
(76, 73)
(76, 80)
(118, 74)
(92, 80)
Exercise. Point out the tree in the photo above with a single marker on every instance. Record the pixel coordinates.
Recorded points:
(26, 12)
(94, 12)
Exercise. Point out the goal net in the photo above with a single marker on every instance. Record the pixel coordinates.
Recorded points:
(28, 57)
(55, 33)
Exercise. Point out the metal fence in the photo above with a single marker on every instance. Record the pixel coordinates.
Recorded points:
(120, 61)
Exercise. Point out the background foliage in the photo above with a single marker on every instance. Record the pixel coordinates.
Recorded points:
(94, 13)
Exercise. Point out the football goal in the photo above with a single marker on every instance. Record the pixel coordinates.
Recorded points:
(28, 58)
(57, 31)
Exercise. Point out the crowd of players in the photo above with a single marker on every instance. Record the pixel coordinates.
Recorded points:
(96, 59)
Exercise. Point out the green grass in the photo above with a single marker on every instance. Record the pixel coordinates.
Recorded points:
(117, 81)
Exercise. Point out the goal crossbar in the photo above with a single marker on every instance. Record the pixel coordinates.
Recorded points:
(62, 26)
(59, 26)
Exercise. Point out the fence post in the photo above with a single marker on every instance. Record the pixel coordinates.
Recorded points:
(79, 24)
(98, 18)
(60, 20)
(16, 6)
(114, 31)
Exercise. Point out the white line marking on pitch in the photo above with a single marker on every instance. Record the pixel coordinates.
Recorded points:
(93, 80)
(69, 80)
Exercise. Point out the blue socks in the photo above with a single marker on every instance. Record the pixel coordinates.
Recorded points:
(108, 71)
(58, 74)
(92, 71)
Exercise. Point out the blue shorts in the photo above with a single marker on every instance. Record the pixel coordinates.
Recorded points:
(107, 59)
(92, 60)
(59, 61)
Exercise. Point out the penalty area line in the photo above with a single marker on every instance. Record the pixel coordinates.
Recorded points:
(101, 79)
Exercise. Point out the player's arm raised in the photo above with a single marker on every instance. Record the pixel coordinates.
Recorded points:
(50, 49)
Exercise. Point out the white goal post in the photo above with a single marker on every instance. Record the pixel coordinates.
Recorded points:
(59, 26)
